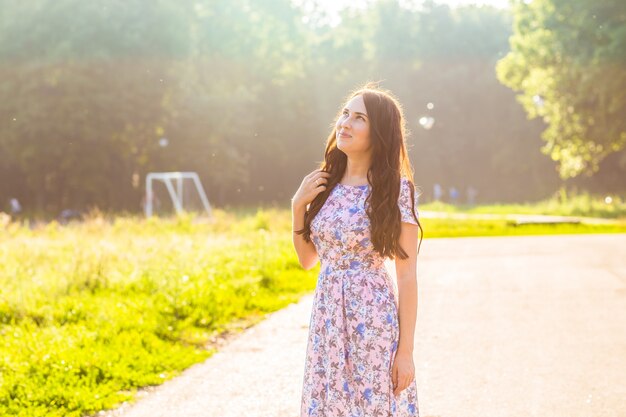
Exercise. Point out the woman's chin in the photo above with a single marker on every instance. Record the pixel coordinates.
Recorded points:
(343, 142)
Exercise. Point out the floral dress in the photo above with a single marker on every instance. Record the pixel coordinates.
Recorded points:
(354, 328)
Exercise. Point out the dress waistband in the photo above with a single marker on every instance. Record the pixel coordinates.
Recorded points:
(352, 264)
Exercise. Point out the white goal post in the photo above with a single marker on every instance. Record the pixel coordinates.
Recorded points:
(175, 193)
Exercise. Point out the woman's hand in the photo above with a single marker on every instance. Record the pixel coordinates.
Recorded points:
(402, 372)
(311, 186)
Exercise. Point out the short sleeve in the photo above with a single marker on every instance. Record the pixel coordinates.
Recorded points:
(404, 202)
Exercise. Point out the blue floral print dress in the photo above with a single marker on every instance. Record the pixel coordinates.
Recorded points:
(354, 328)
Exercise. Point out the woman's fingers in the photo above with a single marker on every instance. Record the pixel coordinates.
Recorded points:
(403, 383)
(317, 172)
(320, 178)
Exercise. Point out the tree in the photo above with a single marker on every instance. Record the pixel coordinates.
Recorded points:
(85, 85)
(568, 60)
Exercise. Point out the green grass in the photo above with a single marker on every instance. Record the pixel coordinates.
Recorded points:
(441, 227)
(92, 311)
(561, 204)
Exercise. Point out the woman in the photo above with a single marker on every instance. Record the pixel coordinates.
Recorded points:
(351, 214)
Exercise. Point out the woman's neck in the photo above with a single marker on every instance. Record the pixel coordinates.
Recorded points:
(356, 170)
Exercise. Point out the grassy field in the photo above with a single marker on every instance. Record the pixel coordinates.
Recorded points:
(561, 204)
(92, 311)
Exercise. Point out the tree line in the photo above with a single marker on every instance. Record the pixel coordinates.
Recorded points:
(94, 95)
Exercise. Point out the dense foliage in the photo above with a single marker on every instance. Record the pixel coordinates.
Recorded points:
(568, 58)
(244, 92)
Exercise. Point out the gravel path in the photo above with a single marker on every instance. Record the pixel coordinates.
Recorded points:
(507, 326)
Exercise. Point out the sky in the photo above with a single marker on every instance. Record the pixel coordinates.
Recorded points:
(337, 4)
(333, 6)
(496, 3)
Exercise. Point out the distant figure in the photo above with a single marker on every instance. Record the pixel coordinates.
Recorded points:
(16, 208)
(471, 195)
(454, 195)
(437, 192)
(69, 214)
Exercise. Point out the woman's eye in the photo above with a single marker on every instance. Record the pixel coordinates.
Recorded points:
(345, 113)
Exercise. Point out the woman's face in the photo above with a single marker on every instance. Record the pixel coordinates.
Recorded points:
(353, 128)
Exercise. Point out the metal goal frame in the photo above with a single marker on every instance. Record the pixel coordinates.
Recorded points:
(175, 193)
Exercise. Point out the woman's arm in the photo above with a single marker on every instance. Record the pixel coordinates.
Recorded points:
(406, 274)
(307, 254)
(313, 184)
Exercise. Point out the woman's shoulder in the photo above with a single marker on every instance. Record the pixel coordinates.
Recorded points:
(405, 181)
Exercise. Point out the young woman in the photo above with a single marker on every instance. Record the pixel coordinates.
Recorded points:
(354, 212)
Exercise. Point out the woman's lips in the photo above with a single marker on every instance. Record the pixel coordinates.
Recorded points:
(344, 135)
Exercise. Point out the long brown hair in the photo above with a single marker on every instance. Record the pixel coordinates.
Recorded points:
(390, 162)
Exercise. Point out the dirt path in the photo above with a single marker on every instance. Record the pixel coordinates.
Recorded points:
(507, 327)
